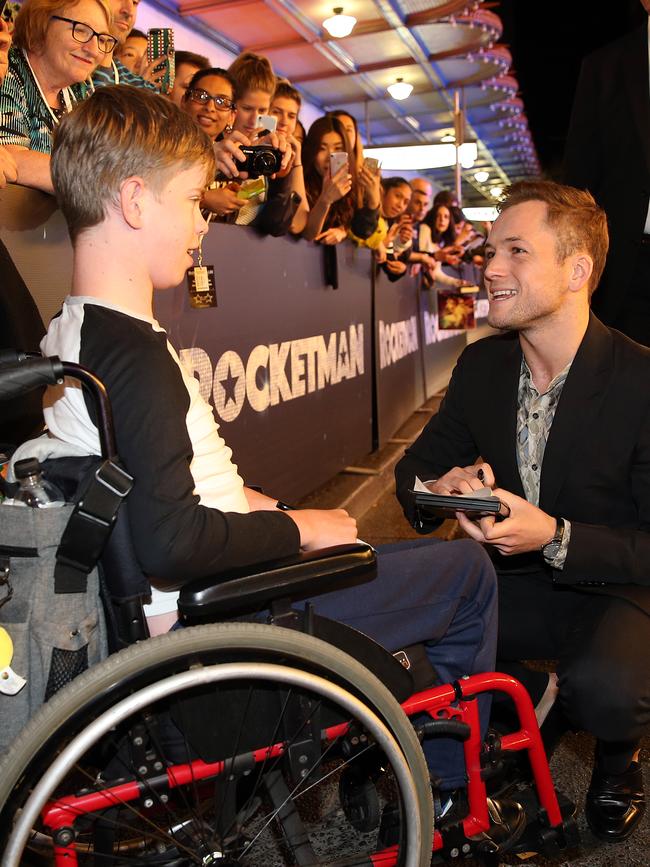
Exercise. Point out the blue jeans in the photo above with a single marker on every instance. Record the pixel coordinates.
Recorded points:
(441, 594)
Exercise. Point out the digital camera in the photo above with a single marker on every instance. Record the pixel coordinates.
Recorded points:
(260, 160)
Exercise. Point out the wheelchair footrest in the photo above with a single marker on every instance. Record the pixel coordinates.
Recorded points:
(539, 836)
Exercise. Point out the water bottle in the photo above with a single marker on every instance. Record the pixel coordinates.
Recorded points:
(34, 490)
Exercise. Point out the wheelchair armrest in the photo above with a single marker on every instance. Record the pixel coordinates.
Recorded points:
(253, 588)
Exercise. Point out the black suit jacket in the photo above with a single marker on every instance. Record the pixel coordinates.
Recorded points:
(608, 153)
(596, 469)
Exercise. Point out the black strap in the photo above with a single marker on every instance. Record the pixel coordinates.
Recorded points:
(89, 527)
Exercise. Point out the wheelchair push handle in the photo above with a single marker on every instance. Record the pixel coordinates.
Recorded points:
(23, 372)
(20, 374)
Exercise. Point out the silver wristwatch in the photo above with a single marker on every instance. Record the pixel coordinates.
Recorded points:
(551, 548)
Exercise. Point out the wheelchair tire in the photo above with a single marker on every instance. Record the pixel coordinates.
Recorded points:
(193, 656)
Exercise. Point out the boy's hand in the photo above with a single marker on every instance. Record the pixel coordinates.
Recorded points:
(320, 528)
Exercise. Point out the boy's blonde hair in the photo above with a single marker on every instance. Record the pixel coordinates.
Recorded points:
(117, 133)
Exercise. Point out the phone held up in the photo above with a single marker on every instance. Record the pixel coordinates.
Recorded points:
(267, 123)
(372, 164)
(160, 43)
(337, 160)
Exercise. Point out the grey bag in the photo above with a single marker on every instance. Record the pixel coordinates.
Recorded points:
(56, 636)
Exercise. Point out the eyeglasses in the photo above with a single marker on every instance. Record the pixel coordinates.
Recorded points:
(221, 103)
(83, 33)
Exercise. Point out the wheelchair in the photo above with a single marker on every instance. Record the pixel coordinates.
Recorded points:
(296, 740)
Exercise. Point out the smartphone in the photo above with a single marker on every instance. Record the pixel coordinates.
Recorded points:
(337, 161)
(160, 43)
(267, 122)
(372, 164)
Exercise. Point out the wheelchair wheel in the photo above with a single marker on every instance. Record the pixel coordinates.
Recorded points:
(220, 744)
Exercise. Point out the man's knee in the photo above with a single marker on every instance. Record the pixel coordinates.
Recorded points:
(604, 698)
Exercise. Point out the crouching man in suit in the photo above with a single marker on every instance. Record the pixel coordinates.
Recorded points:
(554, 414)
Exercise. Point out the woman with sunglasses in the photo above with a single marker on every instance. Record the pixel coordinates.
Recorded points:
(57, 45)
(209, 101)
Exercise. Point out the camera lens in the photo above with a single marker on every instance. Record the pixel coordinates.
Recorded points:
(264, 162)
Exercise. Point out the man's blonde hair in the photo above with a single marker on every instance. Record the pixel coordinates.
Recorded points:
(117, 133)
(578, 222)
(34, 18)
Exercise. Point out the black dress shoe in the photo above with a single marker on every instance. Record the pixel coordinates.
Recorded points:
(507, 824)
(615, 803)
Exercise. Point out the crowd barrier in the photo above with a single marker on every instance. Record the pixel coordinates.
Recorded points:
(304, 378)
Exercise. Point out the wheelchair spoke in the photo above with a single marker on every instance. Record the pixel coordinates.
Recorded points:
(251, 762)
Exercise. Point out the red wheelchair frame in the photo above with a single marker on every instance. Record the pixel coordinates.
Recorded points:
(449, 702)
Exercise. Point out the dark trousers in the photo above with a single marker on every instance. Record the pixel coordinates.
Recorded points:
(601, 644)
(442, 594)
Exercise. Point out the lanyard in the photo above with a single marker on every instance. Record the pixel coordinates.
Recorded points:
(116, 74)
(68, 96)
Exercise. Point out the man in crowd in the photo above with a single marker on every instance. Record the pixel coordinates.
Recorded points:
(607, 153)
(111, 70)
(187, 65)
(129, 170)
(554, 414)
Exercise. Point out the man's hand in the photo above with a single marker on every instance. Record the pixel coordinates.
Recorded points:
(332, 236)
(527, 528)
(464, 480)
(8, 168)
(321, 528)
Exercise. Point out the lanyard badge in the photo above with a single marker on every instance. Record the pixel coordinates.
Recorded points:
(200, 283)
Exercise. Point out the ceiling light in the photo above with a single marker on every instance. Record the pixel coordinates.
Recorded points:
(399, 158)
(481, 176)
(496, 192)
(400, 89)
(481, 214)
(448, 138)
(339, 25)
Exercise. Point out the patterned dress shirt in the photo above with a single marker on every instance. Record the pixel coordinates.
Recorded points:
(535, 414)
(117, 73)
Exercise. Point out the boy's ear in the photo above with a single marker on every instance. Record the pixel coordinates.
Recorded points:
(133, 194)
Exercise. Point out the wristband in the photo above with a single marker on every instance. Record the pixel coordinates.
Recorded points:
(284, 507)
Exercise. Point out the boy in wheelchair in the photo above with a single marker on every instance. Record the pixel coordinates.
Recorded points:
(129, 170)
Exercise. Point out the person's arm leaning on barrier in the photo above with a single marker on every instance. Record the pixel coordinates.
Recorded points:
(29, 167)
(8, 168)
